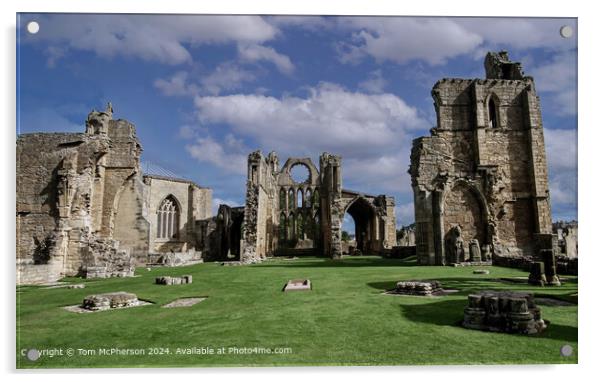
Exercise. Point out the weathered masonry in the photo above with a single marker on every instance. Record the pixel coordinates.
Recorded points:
(285, 215)
(480, 180)
(84, 206)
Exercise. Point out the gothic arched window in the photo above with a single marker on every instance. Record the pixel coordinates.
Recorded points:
(282, 199)
(168, 219)
(492, 108)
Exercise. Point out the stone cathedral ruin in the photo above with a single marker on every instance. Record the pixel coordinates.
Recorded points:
(86, 207)
(281, 213)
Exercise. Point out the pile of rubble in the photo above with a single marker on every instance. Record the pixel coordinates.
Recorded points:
(418, 288)
(505, 311)
(169, 280)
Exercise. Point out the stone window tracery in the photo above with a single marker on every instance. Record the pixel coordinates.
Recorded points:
(168, 219)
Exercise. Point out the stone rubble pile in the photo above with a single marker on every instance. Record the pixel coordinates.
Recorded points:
(107, 301)
(503, 311)
(418, 288)
(169, 280)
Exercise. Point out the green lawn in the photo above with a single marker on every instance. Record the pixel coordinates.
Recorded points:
(344, 320)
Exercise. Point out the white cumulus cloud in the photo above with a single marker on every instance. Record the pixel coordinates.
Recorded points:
(229, 155)
(402, 39)
(255, 52)
(160, 38)
(372, 132)
(330, 118)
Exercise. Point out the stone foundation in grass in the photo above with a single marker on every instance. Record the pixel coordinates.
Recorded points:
(184, 302)
(297, 285)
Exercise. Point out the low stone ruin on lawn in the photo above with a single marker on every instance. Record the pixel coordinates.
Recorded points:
(297, 285)
(110, 300)
(169, 280)
(418, 288)
(543, 273)
(107, 301)
(510, 312)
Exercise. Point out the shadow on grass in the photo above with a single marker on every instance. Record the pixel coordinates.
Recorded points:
(451, 313)
(463, 284)
(345, 262)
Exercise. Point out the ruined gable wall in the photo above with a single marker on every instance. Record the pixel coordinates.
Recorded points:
(158, 190)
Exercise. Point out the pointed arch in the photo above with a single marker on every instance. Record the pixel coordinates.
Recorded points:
(291, 226)
(282, 199)
(168, 218)
(291, 199)
(316, 199)
(464, 206)
(282, 227)
(308, 200)
(493, 113)
(300, 201)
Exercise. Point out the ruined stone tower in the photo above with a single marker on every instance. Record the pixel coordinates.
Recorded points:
(482, 174)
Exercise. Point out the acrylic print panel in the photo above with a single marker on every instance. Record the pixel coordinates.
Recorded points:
(199, 190)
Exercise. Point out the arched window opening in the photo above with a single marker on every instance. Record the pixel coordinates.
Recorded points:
(282, 199)
(282, 228)
(316, 199)
(291, 199)
(301, 226)
(300, 198)
(493, 122)
(308, 202)
(291, 227)
(168, 219)
(348, 231)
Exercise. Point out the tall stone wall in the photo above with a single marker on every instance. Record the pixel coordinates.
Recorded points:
(483, 168)
(131, 224)
(55, 175)
(84, 208)
(67, 188)
(258, 231)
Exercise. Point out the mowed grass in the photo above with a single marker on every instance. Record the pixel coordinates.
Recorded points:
(344, 320)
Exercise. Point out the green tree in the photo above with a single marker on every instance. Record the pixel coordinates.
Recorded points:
(345, 236)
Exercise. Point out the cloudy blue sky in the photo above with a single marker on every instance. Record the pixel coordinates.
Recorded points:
(204, 91)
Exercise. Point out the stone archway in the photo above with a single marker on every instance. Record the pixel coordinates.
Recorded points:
(463, 207)
(366, 226)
